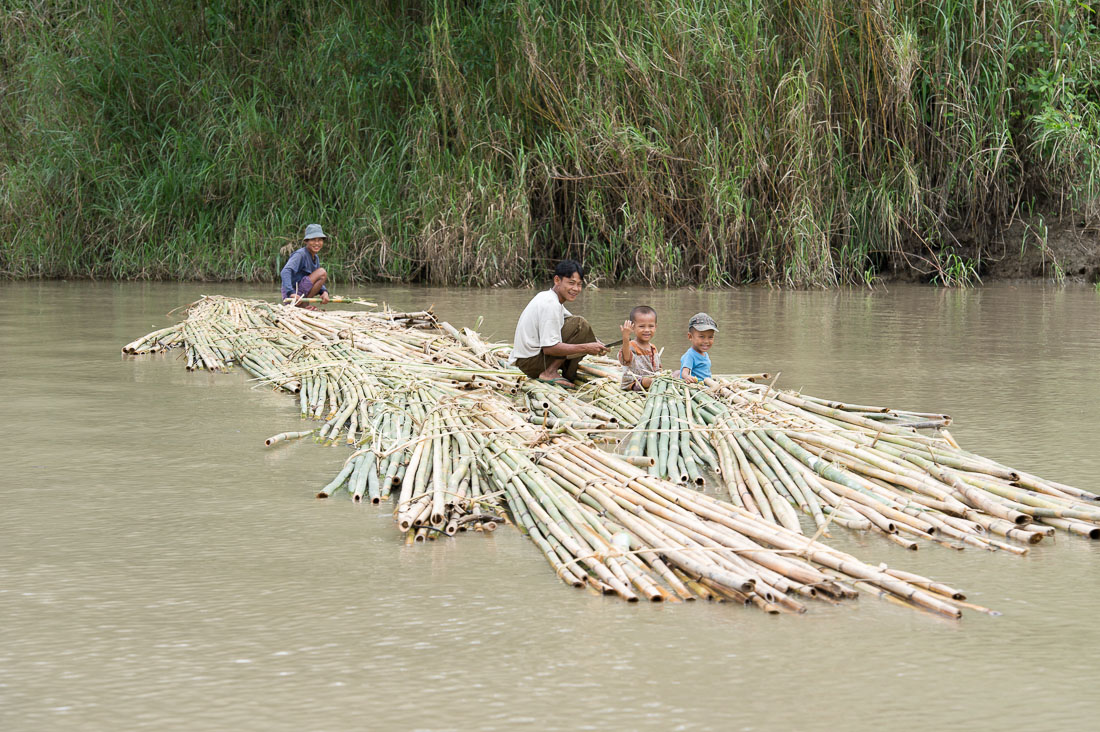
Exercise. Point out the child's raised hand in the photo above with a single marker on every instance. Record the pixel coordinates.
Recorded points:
(627, 329)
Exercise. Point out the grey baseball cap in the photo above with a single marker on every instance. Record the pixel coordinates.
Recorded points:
(702, 321)
(313, 231)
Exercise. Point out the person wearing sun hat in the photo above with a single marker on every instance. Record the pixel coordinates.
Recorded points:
(303, 275)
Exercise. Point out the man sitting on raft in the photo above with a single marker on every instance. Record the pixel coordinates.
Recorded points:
(550, 342)
(303, 274)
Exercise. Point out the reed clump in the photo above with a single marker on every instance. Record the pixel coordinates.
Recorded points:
(606, 482)
(664, 142)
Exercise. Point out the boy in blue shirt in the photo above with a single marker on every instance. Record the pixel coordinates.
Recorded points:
(695, 364)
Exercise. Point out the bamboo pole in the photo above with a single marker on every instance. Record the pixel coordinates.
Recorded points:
(434, 414)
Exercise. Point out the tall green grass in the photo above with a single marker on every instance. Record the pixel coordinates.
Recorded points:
(661, 141)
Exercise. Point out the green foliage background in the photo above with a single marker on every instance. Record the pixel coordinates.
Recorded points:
(661, 141)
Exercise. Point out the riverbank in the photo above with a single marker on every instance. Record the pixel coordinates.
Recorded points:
(665, 143)
(1062, 252)
(1070, 251)
(1058, 252)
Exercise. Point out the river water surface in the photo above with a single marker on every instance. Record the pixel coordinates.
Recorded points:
(160, 569)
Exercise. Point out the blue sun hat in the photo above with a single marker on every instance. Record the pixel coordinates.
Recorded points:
(313, 231)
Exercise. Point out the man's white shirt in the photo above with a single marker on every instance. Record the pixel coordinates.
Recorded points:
(539, 326)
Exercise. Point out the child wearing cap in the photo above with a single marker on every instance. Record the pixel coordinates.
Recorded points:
(640, 358)
(303, 274)
(695, 364)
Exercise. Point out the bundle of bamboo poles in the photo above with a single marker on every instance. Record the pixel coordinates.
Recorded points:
(433, 415)
(607, 524)
(672, 433)
(781, 450)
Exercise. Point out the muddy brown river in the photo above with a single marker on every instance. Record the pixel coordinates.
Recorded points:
(161, 570)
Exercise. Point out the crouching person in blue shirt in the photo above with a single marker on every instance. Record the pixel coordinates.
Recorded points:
(303, 274)
(695, 364)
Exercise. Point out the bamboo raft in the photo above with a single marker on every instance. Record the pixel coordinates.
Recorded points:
(606, 483)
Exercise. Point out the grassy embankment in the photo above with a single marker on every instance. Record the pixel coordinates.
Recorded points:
(662, 141)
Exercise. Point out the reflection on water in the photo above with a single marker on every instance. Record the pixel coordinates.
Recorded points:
(159, 569)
